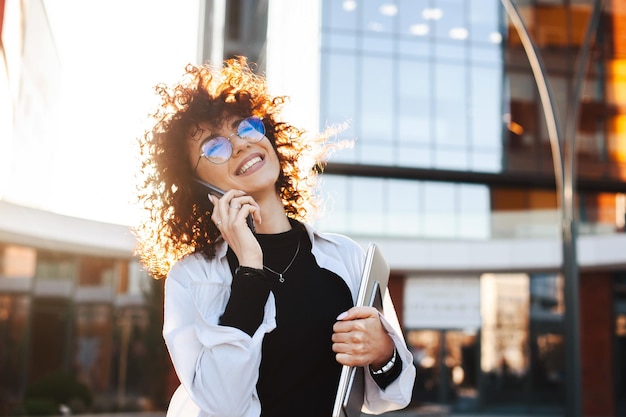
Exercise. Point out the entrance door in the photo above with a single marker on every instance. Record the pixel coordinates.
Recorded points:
(447, 367)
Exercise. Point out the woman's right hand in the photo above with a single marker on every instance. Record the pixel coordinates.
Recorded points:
(229, 215)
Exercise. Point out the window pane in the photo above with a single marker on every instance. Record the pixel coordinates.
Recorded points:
(451, 25)
(411, 18)
(485, 18)
(379, 15)
(474, 212)
(403, 217)
(450, 104)
(414, 102)
(340, 14)
(367, 203)
(439, 203)
(334, 197)
(486, 107)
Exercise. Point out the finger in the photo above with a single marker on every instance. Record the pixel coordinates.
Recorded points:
(349, 360)
(244, 206)
(341, 347)
(339, 338)
(343, 359)
(240, 201)
(354, 325)
(358, 313)
(214, 215)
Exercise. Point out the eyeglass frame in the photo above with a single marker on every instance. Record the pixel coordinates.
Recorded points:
(202, 154)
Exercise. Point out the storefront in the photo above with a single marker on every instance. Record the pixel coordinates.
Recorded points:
(496, 341)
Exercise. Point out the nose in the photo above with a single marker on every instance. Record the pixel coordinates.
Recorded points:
(238, 144)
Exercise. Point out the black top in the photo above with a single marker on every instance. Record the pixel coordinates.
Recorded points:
(299, 373)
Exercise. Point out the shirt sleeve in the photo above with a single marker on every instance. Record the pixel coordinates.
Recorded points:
(396, 389)
(383, 380)
(248, 295)
(217, 365)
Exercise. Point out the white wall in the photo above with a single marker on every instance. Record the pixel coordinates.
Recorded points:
(594, 251)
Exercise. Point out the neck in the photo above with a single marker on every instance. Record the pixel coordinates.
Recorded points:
(274, 218)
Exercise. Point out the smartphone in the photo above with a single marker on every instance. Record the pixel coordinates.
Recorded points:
(217, 192)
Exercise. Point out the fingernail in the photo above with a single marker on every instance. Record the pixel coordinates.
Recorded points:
(342, 315)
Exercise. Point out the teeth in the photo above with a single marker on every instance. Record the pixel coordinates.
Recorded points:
(249, 164)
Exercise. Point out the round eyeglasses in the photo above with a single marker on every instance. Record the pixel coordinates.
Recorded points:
(218, 149)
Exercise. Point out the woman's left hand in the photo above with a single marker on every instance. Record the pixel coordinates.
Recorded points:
(359, 338)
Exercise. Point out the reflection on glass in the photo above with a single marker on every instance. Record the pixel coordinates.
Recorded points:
(92, 346)
(404, 208)
(474, 211)
(338, 96)
(547, 342)
(505, 314)
(414, 113)
(367, 200)
(425, 346)
(452, 19)
(484, 21)
(620, 325)
(450, 106)
(333, 210)
(486, 122)
(131, 353)
(447, 369)
(439, 209)
(378, 15)
(461, 355)
(376, 105)
(340, 14)
(378, 44)
(522, 346)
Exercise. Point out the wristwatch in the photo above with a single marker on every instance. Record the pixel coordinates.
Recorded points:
(386, 367)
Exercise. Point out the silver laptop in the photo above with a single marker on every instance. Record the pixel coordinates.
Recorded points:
(374, 279)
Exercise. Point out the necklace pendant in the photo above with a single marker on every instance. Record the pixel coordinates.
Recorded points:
(280, 274)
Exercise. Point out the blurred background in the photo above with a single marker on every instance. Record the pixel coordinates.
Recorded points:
(452, 173)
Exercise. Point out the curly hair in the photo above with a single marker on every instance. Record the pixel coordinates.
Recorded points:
(177, 212)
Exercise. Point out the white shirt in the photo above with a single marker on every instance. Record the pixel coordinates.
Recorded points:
(218, 366)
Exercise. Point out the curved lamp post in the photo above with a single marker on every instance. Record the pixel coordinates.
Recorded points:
(564, 172)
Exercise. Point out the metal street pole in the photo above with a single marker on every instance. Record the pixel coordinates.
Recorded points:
(570, 232)
(564, 171)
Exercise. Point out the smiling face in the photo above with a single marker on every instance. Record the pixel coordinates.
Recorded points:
(253, 166)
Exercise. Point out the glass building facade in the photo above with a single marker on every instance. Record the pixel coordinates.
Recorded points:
(451, 144)
(443, 90)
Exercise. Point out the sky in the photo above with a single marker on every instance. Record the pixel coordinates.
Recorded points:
(112, 55)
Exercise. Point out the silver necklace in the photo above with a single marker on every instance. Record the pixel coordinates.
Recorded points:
(280, 274)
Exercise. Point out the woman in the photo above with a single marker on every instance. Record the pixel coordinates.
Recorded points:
(256, 322)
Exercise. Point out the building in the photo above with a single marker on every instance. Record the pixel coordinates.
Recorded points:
(73, 299)
(451, 173)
